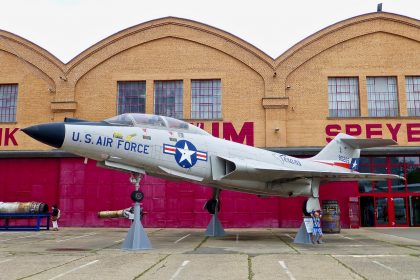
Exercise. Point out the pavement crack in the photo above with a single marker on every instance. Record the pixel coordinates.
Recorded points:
(152, 266)
(349, 268)
(201, 243)
(250, 272)
(48, 269)
(160, 267)
(280, 237)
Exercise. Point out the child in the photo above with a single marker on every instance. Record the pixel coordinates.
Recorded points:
(55, 215)
(316, 231)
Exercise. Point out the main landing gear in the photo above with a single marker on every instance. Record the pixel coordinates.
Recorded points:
(136, 238)
(310, 205)
(212, 205)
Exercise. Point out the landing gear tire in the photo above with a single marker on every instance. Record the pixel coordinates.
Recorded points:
(211, 206)
(304, 211)
(137, 196)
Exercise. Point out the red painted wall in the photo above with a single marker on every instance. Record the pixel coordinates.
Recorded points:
(82, 190)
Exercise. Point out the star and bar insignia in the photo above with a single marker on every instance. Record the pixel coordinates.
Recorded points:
(186, 154)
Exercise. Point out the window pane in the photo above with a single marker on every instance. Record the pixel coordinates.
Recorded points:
(364, 160)
(131, 97)
(206, 99)
(379, 160)
(382, 96)
(412, 88)
(169, 98)
(365, 186)
(396, 160)
(400, 211)
(413, 178)
(343, 97)
(381, 211)
(411, 160)
(380, 186)
(8, 97)
(397, 185)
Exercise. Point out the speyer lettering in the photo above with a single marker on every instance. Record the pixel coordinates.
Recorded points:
(374, 130)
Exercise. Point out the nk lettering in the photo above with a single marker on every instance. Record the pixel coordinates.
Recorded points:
(7, 136)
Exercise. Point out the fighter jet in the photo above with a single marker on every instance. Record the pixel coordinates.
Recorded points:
(176, 150)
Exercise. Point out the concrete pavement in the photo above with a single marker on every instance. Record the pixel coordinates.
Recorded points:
(93, 253)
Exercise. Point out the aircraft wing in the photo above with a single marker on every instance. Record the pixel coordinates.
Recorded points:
(328, 176)
(240, 169)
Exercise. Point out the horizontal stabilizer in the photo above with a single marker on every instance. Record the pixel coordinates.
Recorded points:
(368, 143)
(246, 169)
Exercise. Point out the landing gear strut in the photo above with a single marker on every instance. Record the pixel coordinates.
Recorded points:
(136, 238)
(212, 205)
(310, 205)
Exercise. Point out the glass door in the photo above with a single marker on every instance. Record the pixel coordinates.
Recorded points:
(367, 211)
(414, 210)
(381, 211)
(400, 211)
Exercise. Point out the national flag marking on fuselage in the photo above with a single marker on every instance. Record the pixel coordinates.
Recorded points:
(169, 149)
(186, 154)
(353, 165)
(201, 155)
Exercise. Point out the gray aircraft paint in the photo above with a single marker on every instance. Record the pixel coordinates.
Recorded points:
(227, 165)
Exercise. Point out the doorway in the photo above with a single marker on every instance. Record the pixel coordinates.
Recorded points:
(400, 211)
(414, 202)
(381, 211)
(367, 211)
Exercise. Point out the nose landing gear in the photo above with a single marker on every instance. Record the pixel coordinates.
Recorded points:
(136, 238)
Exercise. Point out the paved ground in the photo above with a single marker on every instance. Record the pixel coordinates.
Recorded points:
(93, 253)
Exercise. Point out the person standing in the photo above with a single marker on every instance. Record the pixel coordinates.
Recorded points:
(55, 215)
(316, 231)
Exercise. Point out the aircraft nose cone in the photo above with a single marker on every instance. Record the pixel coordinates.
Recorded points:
(49, 133)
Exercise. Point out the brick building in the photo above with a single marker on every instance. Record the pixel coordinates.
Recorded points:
(360, 76)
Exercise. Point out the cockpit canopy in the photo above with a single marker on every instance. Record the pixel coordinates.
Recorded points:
(154, 121)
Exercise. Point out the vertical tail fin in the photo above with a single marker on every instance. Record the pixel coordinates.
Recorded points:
(340, 152)
(344, 150)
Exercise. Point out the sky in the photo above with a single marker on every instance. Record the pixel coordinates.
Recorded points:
(65, 28)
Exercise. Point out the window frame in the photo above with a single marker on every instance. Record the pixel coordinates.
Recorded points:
(353, 98)
(8, 112)
(375, 98)
(178, 95)
(207, 97)
(413, 95)
(141, 102)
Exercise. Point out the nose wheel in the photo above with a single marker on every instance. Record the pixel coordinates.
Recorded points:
(137, 196)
